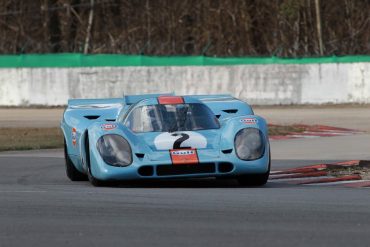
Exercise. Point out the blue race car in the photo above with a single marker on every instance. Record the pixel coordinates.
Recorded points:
(165, 136)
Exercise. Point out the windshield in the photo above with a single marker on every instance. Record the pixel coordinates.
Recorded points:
(170, 118)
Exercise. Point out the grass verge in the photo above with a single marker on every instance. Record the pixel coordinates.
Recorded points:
(282, 130)
(46, 138)
(30, 138)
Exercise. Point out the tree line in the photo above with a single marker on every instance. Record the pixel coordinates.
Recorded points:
(284, 28)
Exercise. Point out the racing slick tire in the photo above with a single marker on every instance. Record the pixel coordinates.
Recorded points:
(255, 179)
(94, 181)
(72, 173)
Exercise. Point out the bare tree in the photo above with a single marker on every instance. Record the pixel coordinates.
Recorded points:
(286, 28)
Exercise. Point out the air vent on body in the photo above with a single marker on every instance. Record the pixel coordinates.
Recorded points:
(227, 151)
(230, 110)
(140, 155)
(92, 117)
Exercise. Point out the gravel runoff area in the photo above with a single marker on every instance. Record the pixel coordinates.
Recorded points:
(345, 116)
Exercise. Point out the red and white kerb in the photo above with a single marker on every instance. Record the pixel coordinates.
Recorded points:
(170, 100)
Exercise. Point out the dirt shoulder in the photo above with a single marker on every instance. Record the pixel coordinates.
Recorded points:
(34, 128)
(345, 116)
(30, 117)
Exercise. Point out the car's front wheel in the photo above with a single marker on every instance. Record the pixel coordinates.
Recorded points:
(72, 173)
(255, 179)
(94, 181)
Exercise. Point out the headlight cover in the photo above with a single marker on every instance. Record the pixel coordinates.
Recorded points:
(115, 150)
(249, 144)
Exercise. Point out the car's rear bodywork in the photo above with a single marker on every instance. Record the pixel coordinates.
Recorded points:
(165, 136)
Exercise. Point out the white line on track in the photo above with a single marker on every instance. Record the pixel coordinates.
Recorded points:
(340, 182)
(274, 172)
(23, 191)
(281, 177)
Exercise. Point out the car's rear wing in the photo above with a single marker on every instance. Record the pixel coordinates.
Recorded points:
(132, 99)
(225, 106)
(95, 109)
(93, 102)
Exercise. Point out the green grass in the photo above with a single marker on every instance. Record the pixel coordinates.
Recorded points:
(282, 130)
(30, 138)
(46, 138)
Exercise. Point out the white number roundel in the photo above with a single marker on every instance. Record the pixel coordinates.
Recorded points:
(181, 139)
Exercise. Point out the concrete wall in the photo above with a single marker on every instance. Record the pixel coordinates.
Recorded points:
(257, 84)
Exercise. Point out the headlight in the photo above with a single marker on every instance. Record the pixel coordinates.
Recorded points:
(249, 144)
(115, 150)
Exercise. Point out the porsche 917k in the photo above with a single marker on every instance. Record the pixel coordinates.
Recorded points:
(165, 136)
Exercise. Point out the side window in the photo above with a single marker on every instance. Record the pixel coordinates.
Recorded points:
(144, 119)
(134, 119)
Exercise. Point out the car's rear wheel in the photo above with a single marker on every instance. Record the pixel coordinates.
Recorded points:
(72, 173)
(94, 181)
(255, 179)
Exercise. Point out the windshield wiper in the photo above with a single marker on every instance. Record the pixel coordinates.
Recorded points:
(183, 116)
(173, 127)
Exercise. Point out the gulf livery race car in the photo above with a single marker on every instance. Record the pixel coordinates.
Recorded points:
(165, 136)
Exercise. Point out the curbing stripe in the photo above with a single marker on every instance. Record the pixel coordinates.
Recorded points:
(296, 180)
(349, 163)
(316, 131)
(302, 175)
(304, 169)
(318, 175)
(329, 180)
(312, 168)
(360, 184)
(339, 183)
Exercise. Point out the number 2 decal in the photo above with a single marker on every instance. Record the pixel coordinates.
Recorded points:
(177, 143)
(185, 139)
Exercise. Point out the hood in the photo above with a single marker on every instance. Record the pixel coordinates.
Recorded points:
(202, 139)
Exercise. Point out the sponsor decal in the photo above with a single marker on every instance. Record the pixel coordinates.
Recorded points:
(74, 136)
(108, 126)
(180, 140)
(184, 156)
(182, 152)
(249, 120)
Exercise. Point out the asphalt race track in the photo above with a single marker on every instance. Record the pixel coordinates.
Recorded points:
(39, 206)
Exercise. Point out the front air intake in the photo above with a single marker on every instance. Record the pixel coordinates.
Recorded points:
(225, 167)
(170, 170)
(146, 171)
